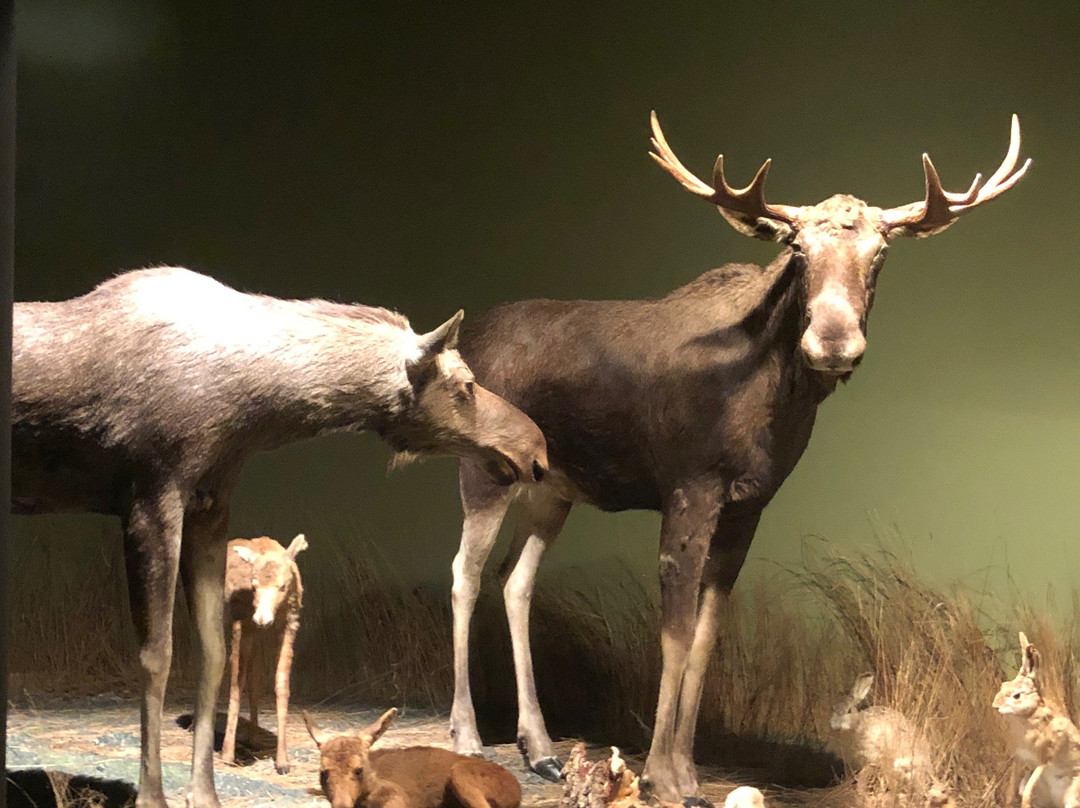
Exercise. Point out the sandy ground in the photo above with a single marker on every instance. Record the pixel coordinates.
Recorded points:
(101, 738)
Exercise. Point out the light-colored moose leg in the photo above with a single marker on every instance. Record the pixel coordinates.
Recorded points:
(281, 690)
(237, 681)
(152, 532)
(541, 515)
(689, 522)
(202, 563)
(484, 504)
(727, 552)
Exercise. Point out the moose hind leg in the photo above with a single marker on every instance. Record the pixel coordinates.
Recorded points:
(689, 521)
(152, 535)
(727, 552)
(202, 564)
(542, 515)
(484, 504)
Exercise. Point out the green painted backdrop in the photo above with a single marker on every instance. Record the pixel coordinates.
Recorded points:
(432, 156)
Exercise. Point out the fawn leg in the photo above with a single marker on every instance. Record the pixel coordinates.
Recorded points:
(236, 685)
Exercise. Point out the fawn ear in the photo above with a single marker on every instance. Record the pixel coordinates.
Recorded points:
(245, 553)
(316, 734)
(861, 689)
(297, 545)
(381, 725)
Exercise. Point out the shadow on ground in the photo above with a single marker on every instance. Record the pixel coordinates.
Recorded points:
(38, 788)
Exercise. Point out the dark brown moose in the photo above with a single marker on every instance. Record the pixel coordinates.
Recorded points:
(697, 405)
(143, 398)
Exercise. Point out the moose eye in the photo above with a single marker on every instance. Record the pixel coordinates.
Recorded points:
(358, 772)
(469, 389)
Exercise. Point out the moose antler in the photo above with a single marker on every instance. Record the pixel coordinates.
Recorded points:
(743, 207)
(941, 208)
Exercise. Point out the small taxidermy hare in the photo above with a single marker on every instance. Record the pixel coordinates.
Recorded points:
(1045, 742)
(884, 738)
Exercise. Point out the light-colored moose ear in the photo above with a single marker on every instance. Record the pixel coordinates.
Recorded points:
(245, 553)
(379, 726)
(316, 734)
(861, 688)
(443, 338)
(297, 546)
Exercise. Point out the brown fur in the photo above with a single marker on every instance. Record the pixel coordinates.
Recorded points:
(698, 405)
(261, 568)
(353, 776)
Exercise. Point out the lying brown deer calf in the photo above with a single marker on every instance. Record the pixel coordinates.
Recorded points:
(263, 596)
(352, 776)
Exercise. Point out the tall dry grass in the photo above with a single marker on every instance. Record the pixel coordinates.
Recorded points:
(790, 645)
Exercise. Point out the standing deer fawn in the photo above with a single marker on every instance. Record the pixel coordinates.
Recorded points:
(883, 738)
(1045, 743)
(263, 598)
(698, 405)
(143, 398)
(352, 776)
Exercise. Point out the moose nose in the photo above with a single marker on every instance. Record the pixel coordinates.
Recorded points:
(838, 355)
(538, 471)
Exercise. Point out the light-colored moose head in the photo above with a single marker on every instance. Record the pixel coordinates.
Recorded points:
(841, 242)
(452, 414)
(271, 575)
(344, 767)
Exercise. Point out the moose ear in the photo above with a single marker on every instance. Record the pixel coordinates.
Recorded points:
(316, 734)
(443, 338)
(297, 545)
(245, 553)
(380, 725)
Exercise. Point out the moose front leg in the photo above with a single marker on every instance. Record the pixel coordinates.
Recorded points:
(689, 522)
(484, 503)
(727, 552)
(202, 564)
(541, 516)
(236, 686)
(281, 689)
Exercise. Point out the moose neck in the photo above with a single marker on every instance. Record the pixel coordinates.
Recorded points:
(756, 315)
(338, 385)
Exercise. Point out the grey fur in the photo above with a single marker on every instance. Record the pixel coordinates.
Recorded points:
(143, 398)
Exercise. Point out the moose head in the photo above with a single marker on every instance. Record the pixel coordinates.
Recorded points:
(840, 243)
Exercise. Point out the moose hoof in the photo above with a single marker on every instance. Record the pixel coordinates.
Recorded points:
(284, 768)
(550, 768)
(696, 802)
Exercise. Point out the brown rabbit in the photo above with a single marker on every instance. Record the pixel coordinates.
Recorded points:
(1045, 742)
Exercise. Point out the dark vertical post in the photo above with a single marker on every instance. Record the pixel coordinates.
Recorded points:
(7, 261)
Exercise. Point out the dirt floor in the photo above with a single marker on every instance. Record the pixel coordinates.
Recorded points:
(100, 738)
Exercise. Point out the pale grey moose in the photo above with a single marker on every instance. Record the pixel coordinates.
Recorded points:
(143, 398)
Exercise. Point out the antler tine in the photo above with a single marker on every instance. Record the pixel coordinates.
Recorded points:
(941, 208)
(748, 204)
(667, 160)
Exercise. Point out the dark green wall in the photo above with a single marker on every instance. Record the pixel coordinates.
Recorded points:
(427, 157)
